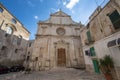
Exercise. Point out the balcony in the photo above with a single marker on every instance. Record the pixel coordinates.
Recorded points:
(91, 41)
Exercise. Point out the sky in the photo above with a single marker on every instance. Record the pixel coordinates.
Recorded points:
(29, 12)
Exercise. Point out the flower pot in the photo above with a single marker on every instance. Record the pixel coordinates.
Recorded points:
(108, 76)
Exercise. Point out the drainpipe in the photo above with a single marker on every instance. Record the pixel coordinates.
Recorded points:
(2, 24)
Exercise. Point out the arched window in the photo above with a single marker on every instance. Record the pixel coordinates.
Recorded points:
(20, 36)
(14, 20)
(9, 30)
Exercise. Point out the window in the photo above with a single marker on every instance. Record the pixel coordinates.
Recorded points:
(89, 35)
(28, 57)
(14, 21)
(92, 51)
(9, 30)
(1, 10)
(6, 35)
(87, 52)
(30, 44)
(16, 50)
(20, 36)
(36, 58)
(28, 53)
(19, 39)
(115, 19)
(3, 48)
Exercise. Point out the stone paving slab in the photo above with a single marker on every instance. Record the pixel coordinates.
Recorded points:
(54, 74)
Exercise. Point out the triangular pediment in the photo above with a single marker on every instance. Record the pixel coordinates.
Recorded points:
(60, 17)
(60, 13)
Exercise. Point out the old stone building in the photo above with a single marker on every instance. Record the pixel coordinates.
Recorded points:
(57, 43)
(11, 25)
(102, 36)
(29, 53)
(13, 38)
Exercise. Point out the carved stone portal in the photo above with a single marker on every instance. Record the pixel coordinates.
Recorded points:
(61, 61)
(62, 54)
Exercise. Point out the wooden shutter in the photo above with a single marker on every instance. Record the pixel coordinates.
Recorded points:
(89, 35)
(115, 19)
(92, 51)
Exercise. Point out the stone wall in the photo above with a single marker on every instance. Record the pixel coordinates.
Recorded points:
(12, 48)
(13, 38)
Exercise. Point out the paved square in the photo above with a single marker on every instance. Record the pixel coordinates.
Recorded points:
(54, 74)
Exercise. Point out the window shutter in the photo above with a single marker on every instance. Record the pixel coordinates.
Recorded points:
(92, 50)
(89, 35)
(115, 19)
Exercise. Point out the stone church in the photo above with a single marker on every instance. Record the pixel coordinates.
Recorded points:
(57, 43)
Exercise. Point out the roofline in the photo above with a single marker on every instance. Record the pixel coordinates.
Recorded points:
(60, 11)
(98, 12)
(14, 17)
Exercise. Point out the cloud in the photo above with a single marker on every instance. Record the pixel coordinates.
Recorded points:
(71, 4)
(55, 10)
(73, 11)
(64, 2)
(30, 3)
(36, 17)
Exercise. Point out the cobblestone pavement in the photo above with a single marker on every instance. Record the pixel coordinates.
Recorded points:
(54, 74)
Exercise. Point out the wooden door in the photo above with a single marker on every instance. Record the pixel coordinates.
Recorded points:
(96, 66)
(61, 57)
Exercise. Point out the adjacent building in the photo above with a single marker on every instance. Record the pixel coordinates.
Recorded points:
(13, 38)
(57, 43)
(101, 36)
(28, 59)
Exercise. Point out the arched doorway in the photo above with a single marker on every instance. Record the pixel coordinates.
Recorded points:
(61, 61)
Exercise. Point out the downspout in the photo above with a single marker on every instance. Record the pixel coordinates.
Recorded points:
(2, 24)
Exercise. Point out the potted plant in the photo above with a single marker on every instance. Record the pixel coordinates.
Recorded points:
(106, 65)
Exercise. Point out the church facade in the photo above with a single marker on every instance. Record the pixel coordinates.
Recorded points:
(57, 43)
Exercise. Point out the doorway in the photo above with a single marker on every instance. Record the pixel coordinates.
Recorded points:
(61, 61)
(96, 66)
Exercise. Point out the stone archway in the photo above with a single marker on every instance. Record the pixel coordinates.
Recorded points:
(61, 61)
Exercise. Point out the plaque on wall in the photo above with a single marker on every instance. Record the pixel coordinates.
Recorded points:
(60, 31)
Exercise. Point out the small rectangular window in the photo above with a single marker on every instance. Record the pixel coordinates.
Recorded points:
(29, 44)
(3, 48)
(16, 50)
(28, 57)
(36, 58)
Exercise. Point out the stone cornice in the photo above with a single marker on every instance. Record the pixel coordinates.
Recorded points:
(54, 24)
(57, 36)
(60, 16)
